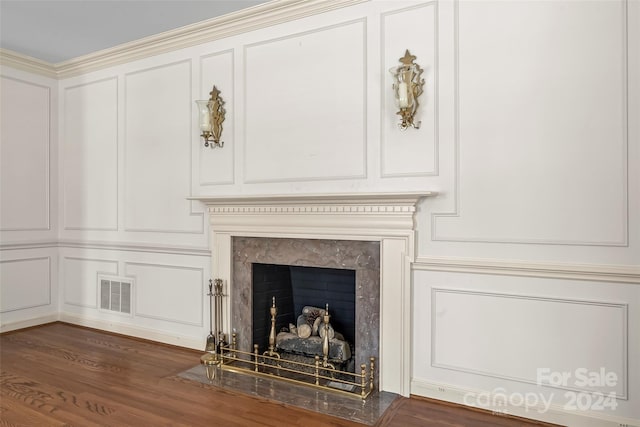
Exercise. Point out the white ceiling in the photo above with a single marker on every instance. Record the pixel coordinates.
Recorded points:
(59, 30)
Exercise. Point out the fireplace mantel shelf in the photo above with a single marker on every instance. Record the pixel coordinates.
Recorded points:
(385, 199)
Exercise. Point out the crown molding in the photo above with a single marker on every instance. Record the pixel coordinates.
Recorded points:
(253, 18)
(9, 58)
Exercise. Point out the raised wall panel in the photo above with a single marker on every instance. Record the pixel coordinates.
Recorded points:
(216, 166)
(511, 336)
(305, 106)
(90, 156)
(24, 155)
(80, 279)
(171, 293)
(26, 283)
(157, 154)
(541, 117)
(411, 152)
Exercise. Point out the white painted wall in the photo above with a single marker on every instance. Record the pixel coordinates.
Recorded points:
(529, 257)
(524, 259)
(127, 171)
(28, 198)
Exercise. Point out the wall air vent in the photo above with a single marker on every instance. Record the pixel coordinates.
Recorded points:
(115, 293)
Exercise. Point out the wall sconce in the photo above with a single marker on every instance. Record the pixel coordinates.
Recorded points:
(211, 114)
(407, 87)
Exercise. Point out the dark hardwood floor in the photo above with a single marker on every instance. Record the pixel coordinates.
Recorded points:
(63, 375)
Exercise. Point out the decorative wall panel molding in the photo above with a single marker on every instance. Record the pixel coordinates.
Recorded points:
(157, 154)
(90, 156)
(171, 293)
(529, 333)
(25, 149)
(217, 167)
(305, 106)
(111, 245)
(28, 245)
(26, 283)
(586, 272)
(137, 247)
(80, 279)
(547, 163)
(411, 153)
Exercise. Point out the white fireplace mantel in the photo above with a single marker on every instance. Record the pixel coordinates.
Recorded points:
(384, 217)
(404, 199)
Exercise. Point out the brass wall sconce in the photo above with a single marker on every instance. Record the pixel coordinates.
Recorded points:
(211, 115)
(407, 87)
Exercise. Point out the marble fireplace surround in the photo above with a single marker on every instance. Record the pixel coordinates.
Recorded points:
(361, 256)
(386, 218)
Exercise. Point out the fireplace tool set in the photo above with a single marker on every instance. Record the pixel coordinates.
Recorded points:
(221, 356)
(217, 340)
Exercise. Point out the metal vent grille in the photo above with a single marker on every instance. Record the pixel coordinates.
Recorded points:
(115, 295)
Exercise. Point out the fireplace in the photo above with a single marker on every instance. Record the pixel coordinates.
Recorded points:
(385, 221)
(301, 294)
(336, 258)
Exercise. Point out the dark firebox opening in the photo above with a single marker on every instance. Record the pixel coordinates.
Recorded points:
(295, 287)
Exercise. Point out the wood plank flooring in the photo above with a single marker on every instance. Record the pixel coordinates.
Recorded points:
(63, 375)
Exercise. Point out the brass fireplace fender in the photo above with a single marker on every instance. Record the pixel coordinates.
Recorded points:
(261, 365)
(321, 374)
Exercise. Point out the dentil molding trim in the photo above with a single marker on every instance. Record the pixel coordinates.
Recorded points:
(375, 214)
(407, 199)
(250, 19)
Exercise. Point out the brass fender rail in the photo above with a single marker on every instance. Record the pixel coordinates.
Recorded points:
(316, 375)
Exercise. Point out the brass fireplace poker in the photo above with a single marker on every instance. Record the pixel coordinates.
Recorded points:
(221, 337)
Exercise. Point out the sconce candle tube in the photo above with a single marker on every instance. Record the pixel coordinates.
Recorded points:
(203, 111)
(211, 114)
(407, 88)
(403, 95)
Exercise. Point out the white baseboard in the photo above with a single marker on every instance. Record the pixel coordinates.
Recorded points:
(556, 414)
(134, 331)
(36, 321)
